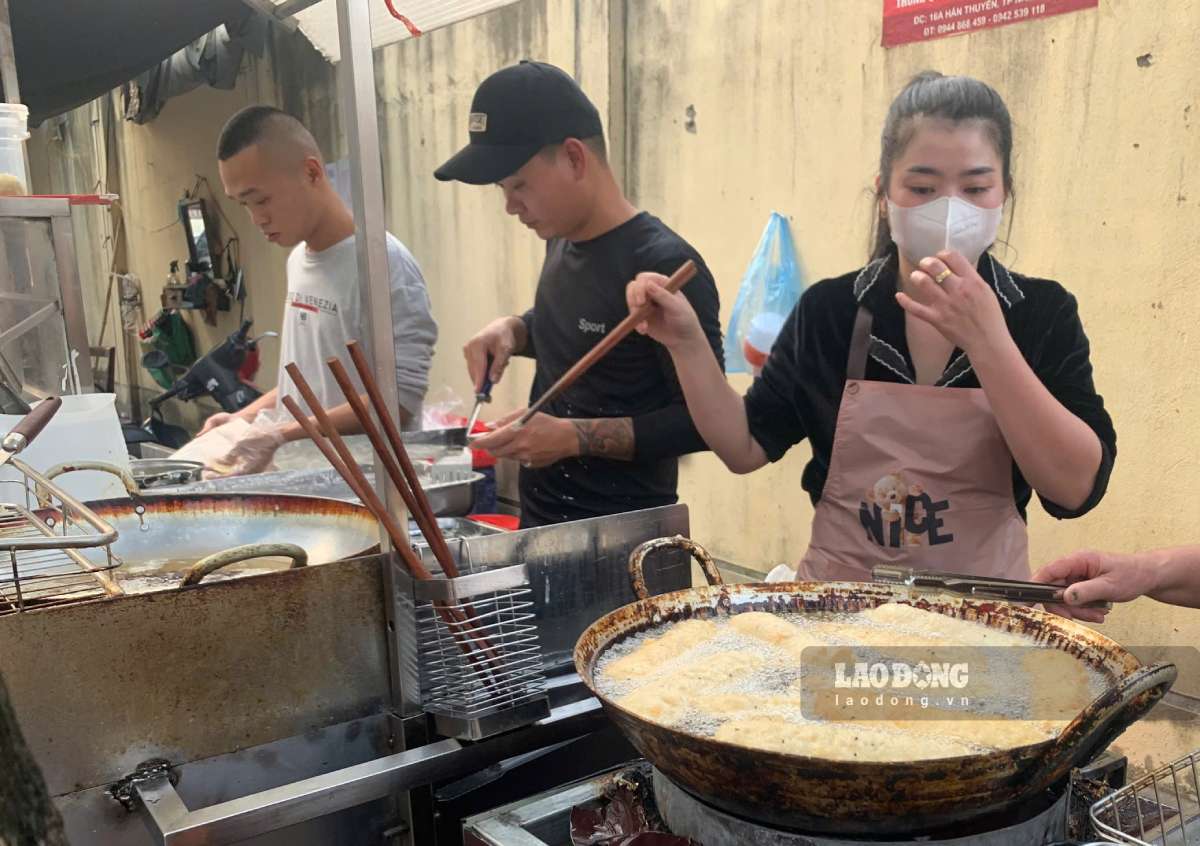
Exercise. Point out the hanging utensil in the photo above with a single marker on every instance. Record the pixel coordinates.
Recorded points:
(980, 587)
(29, 427)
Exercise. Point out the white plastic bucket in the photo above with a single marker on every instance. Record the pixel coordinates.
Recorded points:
(14, 131)
(86, 428)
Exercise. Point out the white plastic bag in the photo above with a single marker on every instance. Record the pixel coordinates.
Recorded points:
(781, 573)
(213, 444)
(211, 447)
(769, 290)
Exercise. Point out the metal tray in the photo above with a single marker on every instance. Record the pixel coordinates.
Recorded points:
(451, 492)
(579, 571)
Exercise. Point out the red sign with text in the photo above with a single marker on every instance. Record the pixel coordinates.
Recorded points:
(905, 21)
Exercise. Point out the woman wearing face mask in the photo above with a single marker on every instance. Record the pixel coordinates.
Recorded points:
(937, 388)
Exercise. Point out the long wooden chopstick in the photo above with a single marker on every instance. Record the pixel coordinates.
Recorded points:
(434, 536)
(461, 628)
(323, 445)
(678, 279)
(423, 511)
(404, 484)
(400, 539)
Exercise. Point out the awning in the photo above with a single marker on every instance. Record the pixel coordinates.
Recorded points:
(319, 22)
(72, 51)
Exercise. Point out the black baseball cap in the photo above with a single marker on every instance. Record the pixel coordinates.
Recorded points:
(515, 113)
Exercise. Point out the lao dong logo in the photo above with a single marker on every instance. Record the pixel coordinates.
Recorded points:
(897, 684)
(897, 675)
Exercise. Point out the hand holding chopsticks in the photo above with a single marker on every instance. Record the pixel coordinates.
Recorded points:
(539, 440)
(678, 279)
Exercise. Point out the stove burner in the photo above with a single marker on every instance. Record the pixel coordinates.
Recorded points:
(686, 815)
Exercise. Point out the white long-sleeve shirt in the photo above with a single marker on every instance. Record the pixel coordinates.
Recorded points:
(323, 312)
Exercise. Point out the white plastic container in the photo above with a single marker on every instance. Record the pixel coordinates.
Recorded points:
(760, 337)
(14, 132)
(86, 428)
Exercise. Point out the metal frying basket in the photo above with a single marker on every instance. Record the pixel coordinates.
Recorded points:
(42, 527)
(1162, 807)
(477, 655)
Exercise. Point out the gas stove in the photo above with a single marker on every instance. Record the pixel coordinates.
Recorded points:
(637, 791)
(684, 815)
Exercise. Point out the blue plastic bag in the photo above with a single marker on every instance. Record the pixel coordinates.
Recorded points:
(772, 285)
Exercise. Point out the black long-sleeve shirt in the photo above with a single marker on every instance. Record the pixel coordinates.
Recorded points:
(801, 385)
(580, 298)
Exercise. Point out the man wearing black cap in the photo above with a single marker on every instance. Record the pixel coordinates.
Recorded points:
(611, 442)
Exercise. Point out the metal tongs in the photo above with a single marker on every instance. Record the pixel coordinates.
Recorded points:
(1008, 590)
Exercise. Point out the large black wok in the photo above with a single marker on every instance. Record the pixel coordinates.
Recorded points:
(852, 797)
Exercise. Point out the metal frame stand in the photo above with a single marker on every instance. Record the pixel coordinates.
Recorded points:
(270, 810)
(356, 78)
(67, 306)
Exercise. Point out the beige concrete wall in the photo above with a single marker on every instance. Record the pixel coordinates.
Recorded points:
(789, 99)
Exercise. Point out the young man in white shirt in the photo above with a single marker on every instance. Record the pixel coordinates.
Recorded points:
(271, 165)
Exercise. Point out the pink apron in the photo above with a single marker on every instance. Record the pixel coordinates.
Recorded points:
(919, 476)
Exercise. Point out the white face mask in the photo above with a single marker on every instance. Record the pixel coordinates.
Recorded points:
(947, 223)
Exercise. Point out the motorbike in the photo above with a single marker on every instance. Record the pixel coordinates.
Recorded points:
(216, 374)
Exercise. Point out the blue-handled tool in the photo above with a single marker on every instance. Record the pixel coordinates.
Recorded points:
(484, 395)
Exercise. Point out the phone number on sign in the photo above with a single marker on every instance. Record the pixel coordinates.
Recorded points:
(966, 24)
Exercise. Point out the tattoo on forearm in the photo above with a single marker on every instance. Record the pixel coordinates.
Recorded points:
(606, 437)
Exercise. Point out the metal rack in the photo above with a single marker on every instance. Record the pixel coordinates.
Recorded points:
(1162, 807)
(477, 656)
(43, 332)
(42, 529)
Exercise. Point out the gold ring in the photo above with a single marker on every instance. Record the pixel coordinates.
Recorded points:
(943, 276)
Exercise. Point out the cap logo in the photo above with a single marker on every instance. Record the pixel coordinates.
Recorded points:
(477, 122)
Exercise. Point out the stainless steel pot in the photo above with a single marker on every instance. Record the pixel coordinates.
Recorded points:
(171, 540)
(161, 537)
